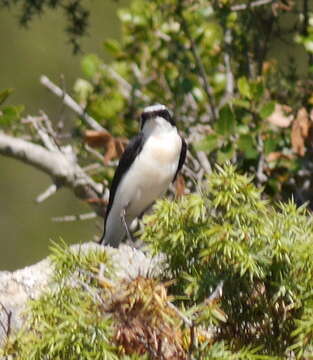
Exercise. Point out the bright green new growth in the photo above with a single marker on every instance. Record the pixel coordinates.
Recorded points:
(263, 255)
(228, 235)
(67, 322)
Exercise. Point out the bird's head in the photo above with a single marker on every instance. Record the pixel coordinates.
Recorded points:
(154, 112)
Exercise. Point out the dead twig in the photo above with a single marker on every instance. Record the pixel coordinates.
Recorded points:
(252, 4)
(71, 103)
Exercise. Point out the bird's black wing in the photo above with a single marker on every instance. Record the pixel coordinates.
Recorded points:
(182, 157)
(132, 150)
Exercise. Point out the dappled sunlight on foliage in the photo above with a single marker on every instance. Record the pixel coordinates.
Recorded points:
(261, 252)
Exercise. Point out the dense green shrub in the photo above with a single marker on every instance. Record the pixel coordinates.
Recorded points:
(261, 252)
(237, 284)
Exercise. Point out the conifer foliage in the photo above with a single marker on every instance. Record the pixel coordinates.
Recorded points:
(237, 284)
(262, 254)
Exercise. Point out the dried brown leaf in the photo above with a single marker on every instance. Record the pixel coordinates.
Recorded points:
(300, 131)
(110, 152)
(97, 138)
(277, 155)
(142, 315)
(180, 186)
(120, 145)
(281, 116)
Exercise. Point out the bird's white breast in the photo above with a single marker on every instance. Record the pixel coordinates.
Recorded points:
(147, 178)
(152, 171)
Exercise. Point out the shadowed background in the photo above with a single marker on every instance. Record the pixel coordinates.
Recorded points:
(25, 227)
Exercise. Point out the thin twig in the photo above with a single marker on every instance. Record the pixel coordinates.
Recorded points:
(252, 4)
(125, 86)
(94, 152)
(261, 177)
(71, 103)
(8, 313)
(52, 189)
(187, 321)
(230, 82)
(96, 297)
(206, 86)
(217, 293)
(42, 132)
(79, 217)
(204, 162)
(49, 127)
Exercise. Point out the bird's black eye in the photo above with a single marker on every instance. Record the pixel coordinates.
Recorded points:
(164, 114)
(144, 118)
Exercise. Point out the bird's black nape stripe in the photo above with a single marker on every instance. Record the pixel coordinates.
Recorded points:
(157, 113)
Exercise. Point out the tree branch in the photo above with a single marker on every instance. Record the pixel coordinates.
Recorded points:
(230, 82)
(52, 189)
(61, 165)
(70, 218)
(252, 4)
(199, 64)
(71, 103)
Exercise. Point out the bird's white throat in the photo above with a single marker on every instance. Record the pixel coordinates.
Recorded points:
(157, 126)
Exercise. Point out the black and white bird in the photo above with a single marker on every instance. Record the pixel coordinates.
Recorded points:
(150, 162)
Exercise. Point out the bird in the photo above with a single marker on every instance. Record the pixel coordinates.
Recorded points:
(149, 163)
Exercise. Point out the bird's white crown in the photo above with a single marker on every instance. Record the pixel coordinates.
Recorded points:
(153, 108)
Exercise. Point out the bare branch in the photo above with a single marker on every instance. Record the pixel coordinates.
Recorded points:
(252, 4)
(61, 165)
(125, 86)
(185, 319)
(261, 177)
(7, 328)
(52, 189)
(230, 82)
(204, 162)
(79, 217)
(47, 140)
(97, 155)
(71, 103)
(203, 75)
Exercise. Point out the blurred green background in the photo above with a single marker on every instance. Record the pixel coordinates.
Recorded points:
(26, 227)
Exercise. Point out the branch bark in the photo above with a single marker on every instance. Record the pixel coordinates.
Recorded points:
(252, 4)
(199, 64)
(61, 165)
(71, 103)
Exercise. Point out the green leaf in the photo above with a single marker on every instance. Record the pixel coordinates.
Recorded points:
(271, 143)
(267, 109)
(208, 144)
(247, 144)
(112, 46)
(186, 85)
(258, 90)
(91, 65)
(226, 152)
(226, 122)
(4, 95)
(10, 114)
(244, 87)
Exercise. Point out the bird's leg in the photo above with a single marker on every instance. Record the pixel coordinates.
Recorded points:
(123, 219)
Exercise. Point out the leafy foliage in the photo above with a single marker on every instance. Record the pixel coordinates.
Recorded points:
(218, 66)
(261, 253)
(9, 114)
(213, 63)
